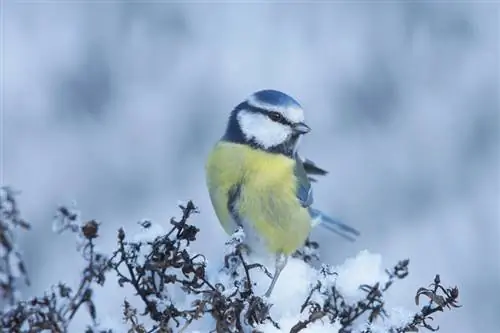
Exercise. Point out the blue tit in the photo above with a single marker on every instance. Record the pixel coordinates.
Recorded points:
(257, 180)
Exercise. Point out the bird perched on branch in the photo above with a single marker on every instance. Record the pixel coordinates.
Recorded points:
(257, 181)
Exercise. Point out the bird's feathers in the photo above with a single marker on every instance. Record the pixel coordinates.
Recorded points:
(312, 169)
(266, 197)
(258, 127)
(233, 196)
(304, 188)
(304, 168)
(246, 183)
(273, 100)
(254, 173)
(341, 229)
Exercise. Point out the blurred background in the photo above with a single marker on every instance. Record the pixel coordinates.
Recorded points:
(115, 106)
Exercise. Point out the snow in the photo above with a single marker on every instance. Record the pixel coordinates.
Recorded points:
(149, 233)
(288, 322)
(294, 286)
(365, 268)
(298, 278)
(398, 317)
(292, 289)
(15, 265)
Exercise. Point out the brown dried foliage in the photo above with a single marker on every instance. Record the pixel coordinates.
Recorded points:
(152, 267)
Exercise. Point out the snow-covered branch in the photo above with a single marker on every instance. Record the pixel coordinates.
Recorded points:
(179, 291)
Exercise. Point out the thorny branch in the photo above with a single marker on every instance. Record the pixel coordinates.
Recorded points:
(156, 268)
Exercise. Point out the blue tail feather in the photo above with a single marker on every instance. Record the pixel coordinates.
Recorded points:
(334, 226)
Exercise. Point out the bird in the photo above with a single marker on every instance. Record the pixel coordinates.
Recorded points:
(257, 180)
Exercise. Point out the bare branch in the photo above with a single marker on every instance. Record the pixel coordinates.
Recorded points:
(153, 267)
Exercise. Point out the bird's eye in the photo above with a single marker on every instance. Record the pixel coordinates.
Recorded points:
(275, 116)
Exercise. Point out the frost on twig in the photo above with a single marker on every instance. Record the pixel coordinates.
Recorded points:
(12, 267)
(325, 302)
(168, 262)
(158, 265)
(55, 310)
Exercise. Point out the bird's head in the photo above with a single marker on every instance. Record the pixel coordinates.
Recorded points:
(270, 120)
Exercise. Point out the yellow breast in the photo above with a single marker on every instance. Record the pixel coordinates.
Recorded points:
(267, 200)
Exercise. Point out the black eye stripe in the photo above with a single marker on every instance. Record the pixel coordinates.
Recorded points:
(281, 119)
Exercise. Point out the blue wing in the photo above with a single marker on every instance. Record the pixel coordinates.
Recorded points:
(305, 196)
(312, 169)
(304, 188)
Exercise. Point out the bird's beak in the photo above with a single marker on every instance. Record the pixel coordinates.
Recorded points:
(301, 128)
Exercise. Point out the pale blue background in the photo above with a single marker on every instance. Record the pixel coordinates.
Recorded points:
(116, 106)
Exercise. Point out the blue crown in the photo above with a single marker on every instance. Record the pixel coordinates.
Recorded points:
(275, 97)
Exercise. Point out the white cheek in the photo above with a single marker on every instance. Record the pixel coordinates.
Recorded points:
(264, 131)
